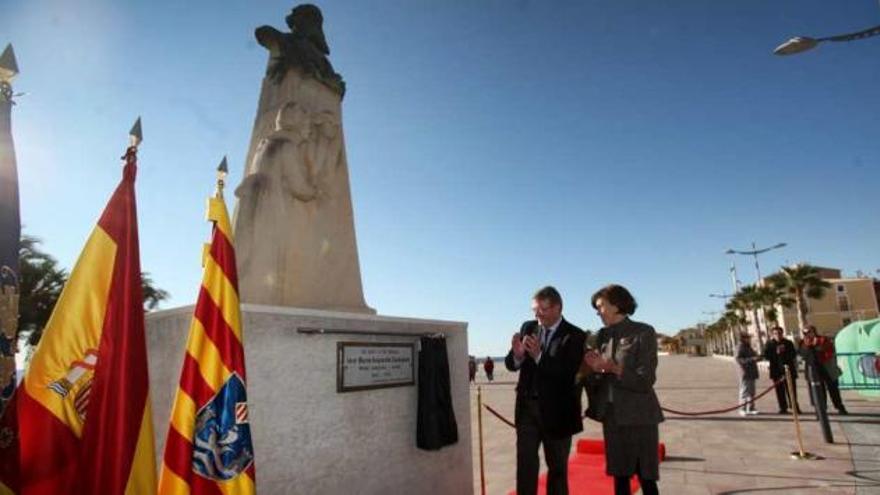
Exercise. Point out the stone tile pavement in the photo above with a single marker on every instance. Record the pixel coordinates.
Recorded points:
(719, 454)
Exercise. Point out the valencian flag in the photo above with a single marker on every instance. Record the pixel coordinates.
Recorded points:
(85, 424)
(208, 449)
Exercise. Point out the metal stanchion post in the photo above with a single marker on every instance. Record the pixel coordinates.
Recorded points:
(480, 430)
(820, 401)
(789, 390)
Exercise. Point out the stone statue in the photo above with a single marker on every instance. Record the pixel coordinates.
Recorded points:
(294, 224)
(304, 48)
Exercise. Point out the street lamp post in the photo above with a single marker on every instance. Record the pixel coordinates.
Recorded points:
(754, 252)
(733, 276)
(729, 342)
(800, 44)
(712, 339)
(721, 296)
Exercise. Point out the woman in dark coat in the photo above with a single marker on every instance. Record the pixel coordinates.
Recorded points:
(621, 389)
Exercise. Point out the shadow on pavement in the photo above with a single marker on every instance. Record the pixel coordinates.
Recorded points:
(854, 415)
(862, 475)
(718, 387)
(785, 489)
(859, 481)
(683, 458)
(767, 417)
(832, 458)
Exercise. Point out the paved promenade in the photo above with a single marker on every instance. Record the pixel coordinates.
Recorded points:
(720, 454)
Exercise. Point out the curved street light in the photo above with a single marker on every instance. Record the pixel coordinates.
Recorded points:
(755, 252)
(721, 296)
(800, 44)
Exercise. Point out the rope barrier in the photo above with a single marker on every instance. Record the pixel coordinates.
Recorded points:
(665, 409)
(727, 409)
(499, 416)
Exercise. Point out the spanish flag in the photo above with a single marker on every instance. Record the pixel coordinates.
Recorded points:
(84, 408)
(208, 449)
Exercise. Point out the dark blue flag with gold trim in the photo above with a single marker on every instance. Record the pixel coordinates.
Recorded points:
(10, 230)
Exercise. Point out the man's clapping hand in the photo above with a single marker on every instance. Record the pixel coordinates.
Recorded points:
(516, 345)
(532, 346)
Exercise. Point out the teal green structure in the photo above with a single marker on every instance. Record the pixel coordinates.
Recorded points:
(858, 355)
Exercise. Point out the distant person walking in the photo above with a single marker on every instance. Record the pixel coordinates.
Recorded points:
(779, 353)
(621, 390)
(820, 356)
(489, 368)
(547, 352)
(472, 369)
(747, 359)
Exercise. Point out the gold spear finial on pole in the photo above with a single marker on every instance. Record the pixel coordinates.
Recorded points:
(8, 71)
(136, 136)
(8, 64)
(216, 207)
(222, 171)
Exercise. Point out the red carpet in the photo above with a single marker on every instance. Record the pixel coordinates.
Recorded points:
(586, 471)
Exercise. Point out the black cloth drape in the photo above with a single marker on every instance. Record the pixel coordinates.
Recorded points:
(436, 426)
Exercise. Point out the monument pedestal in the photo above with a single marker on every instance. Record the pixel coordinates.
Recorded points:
(308, 438)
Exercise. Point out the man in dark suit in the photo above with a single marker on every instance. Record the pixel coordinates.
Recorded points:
(547, 352)
(779, 353)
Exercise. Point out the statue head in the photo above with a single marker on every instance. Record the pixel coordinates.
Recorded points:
(306, 20)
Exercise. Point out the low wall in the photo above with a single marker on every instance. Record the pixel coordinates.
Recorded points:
(308, 438)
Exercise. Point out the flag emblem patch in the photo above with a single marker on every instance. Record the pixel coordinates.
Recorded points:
(222, 442)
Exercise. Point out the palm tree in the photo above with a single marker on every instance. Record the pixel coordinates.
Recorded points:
(735, 320)
(152, 294)
(716, 335)
(801, 281)
(40, 287)
(41, 281)
(750, 299)
(710, 334)
(771, 297)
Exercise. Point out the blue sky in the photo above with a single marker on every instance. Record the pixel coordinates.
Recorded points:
(493, 146)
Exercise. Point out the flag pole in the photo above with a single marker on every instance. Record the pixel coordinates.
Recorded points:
(135, 137)
(92, 363)
(800, 454)
(215, 348)
(222, 170)
(480, 429)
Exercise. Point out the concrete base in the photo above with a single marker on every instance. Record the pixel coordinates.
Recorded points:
(308, 438)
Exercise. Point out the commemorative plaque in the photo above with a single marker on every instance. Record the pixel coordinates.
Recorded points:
(371, 365)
